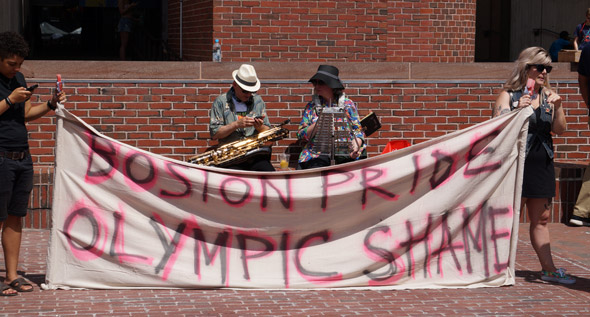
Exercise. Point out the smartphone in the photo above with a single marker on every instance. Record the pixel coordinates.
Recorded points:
(32, 88)
(259, 117)
(59, 84)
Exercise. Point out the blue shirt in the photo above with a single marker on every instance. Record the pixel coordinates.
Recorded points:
(557, 46)
(583, 34)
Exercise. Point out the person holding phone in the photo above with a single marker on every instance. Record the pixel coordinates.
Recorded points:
(241, 113)
(16, 165)
(538, 185)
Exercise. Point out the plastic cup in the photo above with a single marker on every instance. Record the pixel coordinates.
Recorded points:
(284, 161)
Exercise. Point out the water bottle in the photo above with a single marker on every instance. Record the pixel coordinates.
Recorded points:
(217, 51)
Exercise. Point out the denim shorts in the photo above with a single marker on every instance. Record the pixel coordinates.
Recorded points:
(16, 184)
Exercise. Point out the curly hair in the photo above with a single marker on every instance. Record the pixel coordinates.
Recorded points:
(12, 44)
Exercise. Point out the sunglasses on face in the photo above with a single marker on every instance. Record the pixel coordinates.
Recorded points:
(245, 92)
(540, 67)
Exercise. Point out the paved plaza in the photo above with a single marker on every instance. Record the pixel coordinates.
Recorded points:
(530, 296)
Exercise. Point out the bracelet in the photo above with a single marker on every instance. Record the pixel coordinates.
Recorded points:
(9, 103)
(50, 106)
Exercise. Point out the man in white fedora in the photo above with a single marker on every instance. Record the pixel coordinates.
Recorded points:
(241, 113)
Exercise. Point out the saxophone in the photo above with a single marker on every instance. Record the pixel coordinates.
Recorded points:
(239, 150)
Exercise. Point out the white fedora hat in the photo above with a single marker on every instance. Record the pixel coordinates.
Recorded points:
(246, 78)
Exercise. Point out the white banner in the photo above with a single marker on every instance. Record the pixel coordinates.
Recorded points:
(443, 213)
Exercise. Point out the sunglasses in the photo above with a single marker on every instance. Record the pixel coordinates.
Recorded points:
(246, 92)
(540, 67)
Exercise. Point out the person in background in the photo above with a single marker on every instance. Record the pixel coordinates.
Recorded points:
(563, 42)
(126, 10)
(538, 186)
(16, 164)
(582, 33)
(328, 92)
(241, 113)
(581, 215)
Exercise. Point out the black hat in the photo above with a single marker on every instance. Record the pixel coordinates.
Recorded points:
(329, 75)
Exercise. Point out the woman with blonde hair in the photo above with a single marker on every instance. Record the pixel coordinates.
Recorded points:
(538, 187)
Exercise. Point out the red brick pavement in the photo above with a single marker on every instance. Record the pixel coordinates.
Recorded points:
(530, 295)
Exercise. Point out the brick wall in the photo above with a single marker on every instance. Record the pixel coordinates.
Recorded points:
(431, 31)
(163, 107)
(315, 31)
(197, 28)
(39, 213)
(172, 118)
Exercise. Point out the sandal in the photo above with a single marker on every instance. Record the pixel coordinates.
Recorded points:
(19, 285)
(3, 288)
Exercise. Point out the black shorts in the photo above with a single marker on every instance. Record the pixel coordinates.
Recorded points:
(16, 184)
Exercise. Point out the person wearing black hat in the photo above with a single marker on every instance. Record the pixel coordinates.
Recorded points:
(328, 92)
(241, 113)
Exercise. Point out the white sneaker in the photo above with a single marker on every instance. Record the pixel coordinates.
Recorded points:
(579, 221)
